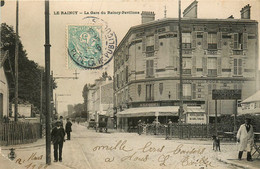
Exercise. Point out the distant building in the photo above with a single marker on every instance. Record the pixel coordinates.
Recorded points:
(217, 54)
(4, 88)
(100, 99)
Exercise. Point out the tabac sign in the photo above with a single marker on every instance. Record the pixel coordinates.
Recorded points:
(225, 94)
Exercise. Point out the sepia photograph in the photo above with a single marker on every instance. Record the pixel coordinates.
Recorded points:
(129, 84)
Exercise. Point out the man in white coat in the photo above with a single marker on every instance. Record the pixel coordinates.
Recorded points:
(245, 137)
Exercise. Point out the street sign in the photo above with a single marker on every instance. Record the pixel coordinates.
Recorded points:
(225, 94)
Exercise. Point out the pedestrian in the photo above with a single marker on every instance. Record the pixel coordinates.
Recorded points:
(245, 138)
(61, 119)
(68, 128)
(169, 131)
(139, 127)
(53, 124)
(57, 137)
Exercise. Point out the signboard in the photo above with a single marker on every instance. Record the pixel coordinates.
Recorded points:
(226, 94)
(196, 118)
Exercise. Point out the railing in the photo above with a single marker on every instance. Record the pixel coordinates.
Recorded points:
(176, 130)
(18, 133)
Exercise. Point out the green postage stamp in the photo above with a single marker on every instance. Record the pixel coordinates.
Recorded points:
(90, 46)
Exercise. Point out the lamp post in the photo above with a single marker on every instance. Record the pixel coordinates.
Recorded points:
(47, 72)
(180, 65)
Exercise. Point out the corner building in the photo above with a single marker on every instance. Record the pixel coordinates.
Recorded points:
(217, 54)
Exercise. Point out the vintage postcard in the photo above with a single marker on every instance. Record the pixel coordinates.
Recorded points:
(129, 84)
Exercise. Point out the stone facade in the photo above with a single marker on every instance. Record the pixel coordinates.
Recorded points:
(217, 54)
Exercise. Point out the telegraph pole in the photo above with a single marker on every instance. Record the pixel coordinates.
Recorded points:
(180, 65)
(16, 63)
(48, 89)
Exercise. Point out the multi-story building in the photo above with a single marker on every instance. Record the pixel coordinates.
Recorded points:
(100, 100)
(217, 54)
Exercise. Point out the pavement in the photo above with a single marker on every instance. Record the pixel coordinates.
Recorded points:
(80, 153)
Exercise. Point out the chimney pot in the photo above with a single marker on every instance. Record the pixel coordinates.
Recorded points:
(147, 16)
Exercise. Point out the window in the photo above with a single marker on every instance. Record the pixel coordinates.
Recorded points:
(212, 66)
(149, 48)
(149, 92)
(186, 40)
(238, 67)
(149, 68)
(149, 40)
(187, 91)
(160, 88)
(212, 40)
(187, 64)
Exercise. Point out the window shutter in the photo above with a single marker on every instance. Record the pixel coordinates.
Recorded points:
(178, 90)
(144, 44)
(156, 42)
(245, 38)
(235, 66)
(204, 66)
(151, 67)
(147, 68)
(178, 64)
(205, 40)
(235, 41)
(193, 91)
(219, 61)
(193, 65)
(209, 89)
(194, 35)
(239, 66)
(219, 40)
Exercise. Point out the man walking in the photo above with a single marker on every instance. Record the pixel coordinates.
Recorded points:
(68, 128)
(245, 137)
(57, 135)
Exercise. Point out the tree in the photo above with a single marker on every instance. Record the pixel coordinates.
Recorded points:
(29, 72)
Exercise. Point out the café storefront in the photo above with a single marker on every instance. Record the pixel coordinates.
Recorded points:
(153, 112)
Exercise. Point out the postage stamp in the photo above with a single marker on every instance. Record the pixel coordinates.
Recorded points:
(90, 46)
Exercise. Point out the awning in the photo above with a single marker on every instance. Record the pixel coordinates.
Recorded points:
(149, 111)
(254, 98)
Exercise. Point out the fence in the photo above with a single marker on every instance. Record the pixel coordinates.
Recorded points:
(18, 133)
(186, 130)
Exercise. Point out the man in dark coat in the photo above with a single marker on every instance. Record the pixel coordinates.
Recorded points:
(57, 136)
(68, 128)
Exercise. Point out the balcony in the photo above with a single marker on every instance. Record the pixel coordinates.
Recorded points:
(186, 45)
(212, 46)
(212, 72)
(186, 71)
(237, 52)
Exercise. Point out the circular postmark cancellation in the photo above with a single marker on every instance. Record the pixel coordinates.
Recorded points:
(90, 45)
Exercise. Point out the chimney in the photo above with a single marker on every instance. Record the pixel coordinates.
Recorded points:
(147, 16)
(191, 11)
(245, 12)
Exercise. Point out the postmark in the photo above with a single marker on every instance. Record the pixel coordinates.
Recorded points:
(90, 45)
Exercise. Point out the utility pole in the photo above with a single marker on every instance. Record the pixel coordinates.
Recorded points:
(16, 63)
(41, 105)
(48, 94)
(180, 65)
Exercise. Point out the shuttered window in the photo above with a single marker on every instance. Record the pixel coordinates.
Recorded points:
(149, 68)
(149, 92)
(237, 67)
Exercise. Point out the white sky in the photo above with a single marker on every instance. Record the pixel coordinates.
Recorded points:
(32, 26)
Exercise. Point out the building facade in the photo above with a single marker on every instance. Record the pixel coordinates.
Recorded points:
(4, 88)
(217, 54)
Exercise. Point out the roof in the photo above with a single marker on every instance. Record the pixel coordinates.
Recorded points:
(254, 98)
(184, 20)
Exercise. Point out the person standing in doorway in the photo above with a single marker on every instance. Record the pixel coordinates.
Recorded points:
(245, 138)
(68, 128)
(57, 137)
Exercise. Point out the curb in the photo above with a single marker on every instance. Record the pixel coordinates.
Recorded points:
(235, 164)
